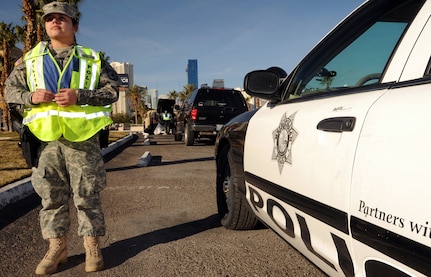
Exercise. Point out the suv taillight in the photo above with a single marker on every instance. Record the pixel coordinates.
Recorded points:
(194, 114)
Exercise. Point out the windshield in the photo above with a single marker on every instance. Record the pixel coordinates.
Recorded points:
(356, 54)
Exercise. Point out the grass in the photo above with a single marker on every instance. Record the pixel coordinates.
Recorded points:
(13, 166)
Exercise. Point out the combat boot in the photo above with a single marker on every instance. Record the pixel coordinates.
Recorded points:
(57, 253)
(93, 254)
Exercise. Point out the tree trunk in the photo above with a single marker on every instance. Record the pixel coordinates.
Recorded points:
(29, 10)
(6, 69)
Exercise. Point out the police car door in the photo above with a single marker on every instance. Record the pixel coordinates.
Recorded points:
(299, 153)
(391, 191)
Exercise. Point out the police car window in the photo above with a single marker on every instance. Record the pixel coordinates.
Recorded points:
(361, 63)
(356, 57)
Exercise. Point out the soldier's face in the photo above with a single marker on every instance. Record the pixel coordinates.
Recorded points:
(60, 27)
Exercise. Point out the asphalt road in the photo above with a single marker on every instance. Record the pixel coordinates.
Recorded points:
(161, 221)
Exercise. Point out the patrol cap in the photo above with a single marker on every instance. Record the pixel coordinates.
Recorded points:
(61, 8)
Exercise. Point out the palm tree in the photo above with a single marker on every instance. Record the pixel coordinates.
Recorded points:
(8, 39)
(142, 107)
(21, 33)
(29, 9)
(135, 95)
(142, 110)
(172, 94)
(188, 89)
(33, 16)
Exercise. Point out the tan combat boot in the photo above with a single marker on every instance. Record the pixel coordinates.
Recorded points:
(57, 253)
(93, 254)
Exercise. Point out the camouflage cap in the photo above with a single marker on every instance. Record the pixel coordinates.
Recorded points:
(61, 8)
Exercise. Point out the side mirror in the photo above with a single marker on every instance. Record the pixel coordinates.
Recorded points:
(265, 84)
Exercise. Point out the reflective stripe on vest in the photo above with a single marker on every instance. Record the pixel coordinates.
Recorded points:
(48, 121)
(166, 117)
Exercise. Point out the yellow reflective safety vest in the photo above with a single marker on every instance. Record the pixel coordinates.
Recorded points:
(166, 116)
(48, 121)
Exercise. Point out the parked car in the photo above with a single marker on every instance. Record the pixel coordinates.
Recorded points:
(205, 111)
(337, 162)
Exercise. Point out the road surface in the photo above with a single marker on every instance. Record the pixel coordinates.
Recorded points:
(161, 221)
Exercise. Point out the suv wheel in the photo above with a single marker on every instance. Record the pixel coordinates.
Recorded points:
(189, 136)
(232, 206)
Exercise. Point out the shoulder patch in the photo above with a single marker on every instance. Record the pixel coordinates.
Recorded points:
(18, 62)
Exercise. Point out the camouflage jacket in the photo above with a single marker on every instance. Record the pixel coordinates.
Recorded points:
(17, 90)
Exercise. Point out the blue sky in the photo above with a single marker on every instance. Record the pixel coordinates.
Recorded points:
(229, 38)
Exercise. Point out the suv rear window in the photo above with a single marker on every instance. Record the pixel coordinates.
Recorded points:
(219, 98)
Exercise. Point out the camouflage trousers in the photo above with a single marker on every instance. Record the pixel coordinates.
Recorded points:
(70, 170)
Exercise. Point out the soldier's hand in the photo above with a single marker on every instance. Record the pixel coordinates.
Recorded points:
(66, 97)
(42, 96)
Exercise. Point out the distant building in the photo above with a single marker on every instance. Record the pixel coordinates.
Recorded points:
(123, 69)
(192, 72)
(151, 99)
(218, 83)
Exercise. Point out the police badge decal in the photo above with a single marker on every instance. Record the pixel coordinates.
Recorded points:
(283, 137)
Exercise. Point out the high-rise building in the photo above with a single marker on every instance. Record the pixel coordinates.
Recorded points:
(192, 72)
(123, 105)
(152, 96)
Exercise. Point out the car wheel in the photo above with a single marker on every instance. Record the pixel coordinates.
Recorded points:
(189, 136)
(232, 206)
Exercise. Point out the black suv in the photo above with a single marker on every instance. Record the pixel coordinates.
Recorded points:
(205, 111)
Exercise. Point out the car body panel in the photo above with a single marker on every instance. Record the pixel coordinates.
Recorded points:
(326, 166)
(232, 135)
(390, 180)
(342, 173)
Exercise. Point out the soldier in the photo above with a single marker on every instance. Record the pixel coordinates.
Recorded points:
(66, 91)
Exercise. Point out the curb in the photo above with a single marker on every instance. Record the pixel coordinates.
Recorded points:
(16, 191)
(144, 160)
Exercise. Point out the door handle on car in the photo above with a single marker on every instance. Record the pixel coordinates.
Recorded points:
(337, 124)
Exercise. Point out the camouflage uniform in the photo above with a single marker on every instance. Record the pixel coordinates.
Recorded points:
(67, 168)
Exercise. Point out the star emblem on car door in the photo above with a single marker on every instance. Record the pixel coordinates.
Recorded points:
(283, 137)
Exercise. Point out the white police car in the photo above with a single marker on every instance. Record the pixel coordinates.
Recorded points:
(338, 162)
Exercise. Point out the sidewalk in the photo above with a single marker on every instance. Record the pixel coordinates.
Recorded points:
(14, 192)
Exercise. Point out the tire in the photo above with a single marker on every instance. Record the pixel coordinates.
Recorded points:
(233, 209)
(189, 136)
